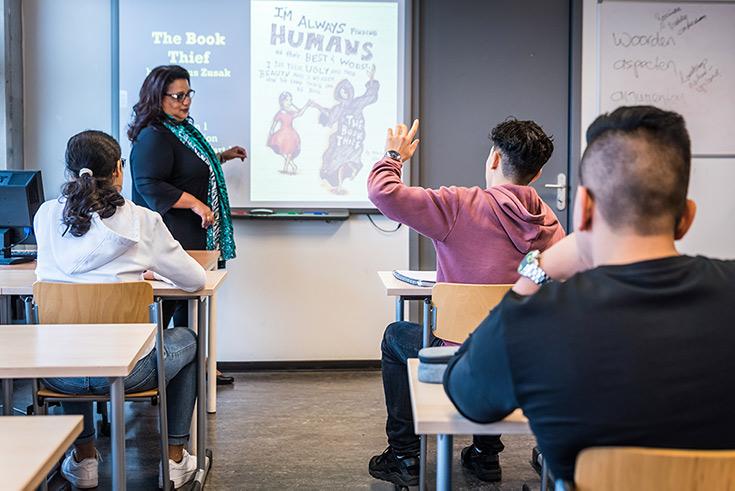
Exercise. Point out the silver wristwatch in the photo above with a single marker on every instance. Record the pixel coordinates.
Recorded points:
(393, 155)
(531, 269)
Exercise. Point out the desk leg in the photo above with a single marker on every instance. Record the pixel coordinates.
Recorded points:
(192, 305)
(443, 462)
(201, 391)
(212, 355)
(7, 396)
(422, 461)
(117, 417)
(400, 309)
(425, 336)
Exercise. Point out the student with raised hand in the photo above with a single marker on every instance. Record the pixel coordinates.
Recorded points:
(611, 337)
(480, 235)
(91, 234)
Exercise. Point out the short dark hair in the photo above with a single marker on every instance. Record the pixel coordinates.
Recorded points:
(636, 166)
(524, 148)
(88, 194)
(148, 109)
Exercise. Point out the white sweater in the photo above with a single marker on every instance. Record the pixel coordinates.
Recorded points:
(118, 248)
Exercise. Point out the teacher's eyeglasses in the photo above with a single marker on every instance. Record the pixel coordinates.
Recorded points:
(180, 96)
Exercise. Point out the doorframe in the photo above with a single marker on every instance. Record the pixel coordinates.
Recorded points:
(574, 113)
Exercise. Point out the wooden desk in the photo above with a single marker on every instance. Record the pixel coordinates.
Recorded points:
(403, 292)
(202, 303)
(397, 288)
(20, 282)
(30, 447)
(434, 414)
(89, 350)
(208, 259)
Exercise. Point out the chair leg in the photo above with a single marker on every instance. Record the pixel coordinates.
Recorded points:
(162, 402)
(36, 405)
(544, 476)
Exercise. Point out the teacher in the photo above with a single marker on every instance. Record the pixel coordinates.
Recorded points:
(177, 173)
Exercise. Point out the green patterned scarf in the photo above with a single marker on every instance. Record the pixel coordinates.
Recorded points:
(219, 235)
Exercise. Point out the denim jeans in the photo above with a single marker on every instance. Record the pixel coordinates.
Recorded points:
(180, 348)
(401, 341)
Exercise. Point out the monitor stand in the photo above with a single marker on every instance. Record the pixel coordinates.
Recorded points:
(10, 261)
(7, 258)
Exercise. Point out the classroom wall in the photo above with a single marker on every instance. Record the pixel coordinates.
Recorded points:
(712, 233)
(297, 291)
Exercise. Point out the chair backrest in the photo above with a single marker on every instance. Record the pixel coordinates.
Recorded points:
(613, 468)
(93, 303)
(460, 308)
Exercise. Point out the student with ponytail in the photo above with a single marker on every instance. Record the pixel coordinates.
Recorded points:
(91, 234)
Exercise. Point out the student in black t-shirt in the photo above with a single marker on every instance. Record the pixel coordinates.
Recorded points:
(631, 343)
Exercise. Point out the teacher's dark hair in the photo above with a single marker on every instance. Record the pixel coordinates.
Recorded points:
(89, 194)
(148, 108)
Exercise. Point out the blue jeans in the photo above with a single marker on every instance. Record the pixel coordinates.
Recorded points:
(180, 348)
(401, 341)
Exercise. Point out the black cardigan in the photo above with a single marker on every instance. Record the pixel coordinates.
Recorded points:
(162, 169)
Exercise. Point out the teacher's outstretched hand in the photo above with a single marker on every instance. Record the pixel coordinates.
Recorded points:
(235, 152)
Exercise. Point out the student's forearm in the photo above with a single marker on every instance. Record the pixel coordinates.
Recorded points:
(560, 261)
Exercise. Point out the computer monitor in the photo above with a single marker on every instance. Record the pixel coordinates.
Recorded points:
(21, 194)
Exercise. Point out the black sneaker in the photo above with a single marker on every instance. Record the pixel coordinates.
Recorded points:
(402, 471)
(486, 466)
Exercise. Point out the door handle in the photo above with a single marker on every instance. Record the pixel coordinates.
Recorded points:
(561, 191)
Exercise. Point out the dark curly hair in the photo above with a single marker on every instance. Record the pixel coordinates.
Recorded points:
(86, 195)
(148, 108)
(524, 148)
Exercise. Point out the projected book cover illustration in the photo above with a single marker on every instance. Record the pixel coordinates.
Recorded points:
(323, 91)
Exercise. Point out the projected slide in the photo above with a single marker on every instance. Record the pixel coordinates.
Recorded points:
(308, 87)
(322, 93)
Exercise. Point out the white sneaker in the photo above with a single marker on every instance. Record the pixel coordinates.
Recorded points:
(82, 475)
(181, 472)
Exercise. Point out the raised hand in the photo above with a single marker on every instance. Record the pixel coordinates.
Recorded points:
(401, 140)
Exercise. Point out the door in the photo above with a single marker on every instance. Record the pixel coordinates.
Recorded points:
(478, 63)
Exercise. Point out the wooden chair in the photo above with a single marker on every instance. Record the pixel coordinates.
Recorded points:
(660, 469)
(457, 309)
(103, 303)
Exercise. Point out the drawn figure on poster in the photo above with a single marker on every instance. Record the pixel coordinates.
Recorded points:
(285, 140)
(343, 157)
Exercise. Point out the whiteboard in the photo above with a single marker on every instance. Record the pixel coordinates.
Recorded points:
(246, 59)
(674, 55)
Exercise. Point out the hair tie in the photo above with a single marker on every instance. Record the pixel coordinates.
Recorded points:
(85, 171)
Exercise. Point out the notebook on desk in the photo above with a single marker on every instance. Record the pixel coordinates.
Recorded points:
(416, 278)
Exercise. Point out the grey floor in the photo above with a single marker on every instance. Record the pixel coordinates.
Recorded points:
(296, 430)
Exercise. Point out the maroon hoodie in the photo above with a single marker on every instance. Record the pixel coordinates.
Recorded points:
(480, 235)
